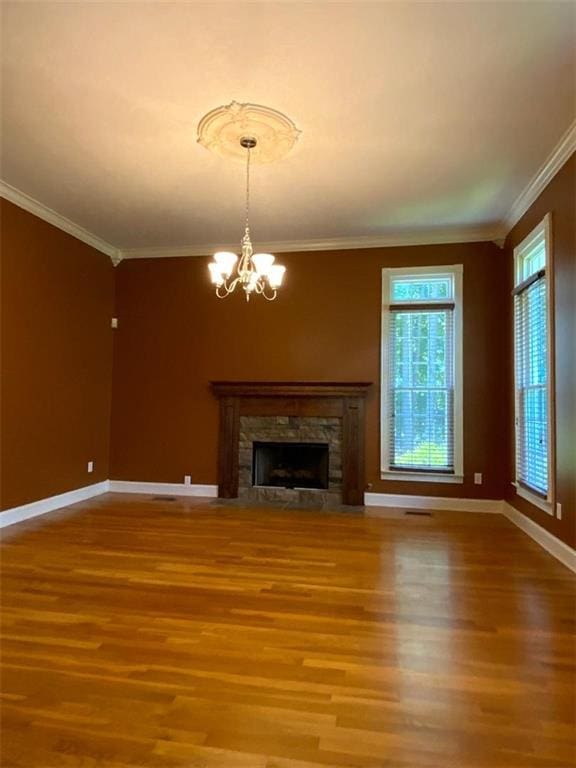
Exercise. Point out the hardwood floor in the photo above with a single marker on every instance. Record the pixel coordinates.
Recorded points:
(186, 634)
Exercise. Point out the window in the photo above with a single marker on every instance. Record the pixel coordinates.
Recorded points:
(422, 374)
(532, 367)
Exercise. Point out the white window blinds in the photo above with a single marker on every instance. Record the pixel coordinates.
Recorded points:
(422, 389)
(420, 380)
(531, 364)
(532, 386)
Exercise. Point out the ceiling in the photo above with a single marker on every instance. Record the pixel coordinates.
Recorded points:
(414, 116)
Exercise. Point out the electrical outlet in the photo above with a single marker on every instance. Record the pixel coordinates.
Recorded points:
(559, 510)
(187, 479)
(90, 466)
(477, 478)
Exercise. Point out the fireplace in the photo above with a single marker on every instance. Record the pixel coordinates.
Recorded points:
(290, 465)
(329, 413)
(290, 459)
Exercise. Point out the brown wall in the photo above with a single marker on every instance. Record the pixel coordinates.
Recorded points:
(57, 301)
(175, 336)
(559, 198)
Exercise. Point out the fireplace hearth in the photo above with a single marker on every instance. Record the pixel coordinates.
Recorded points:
(290, 465)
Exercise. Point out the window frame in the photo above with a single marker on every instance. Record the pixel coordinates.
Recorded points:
(544, 227)
(426, 476)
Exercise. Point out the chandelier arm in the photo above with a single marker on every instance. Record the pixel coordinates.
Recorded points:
(227, 291)
(230, 287)
(269, 298)
(227, 288)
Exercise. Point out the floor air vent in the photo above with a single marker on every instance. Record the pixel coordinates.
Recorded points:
(417, 512)
(163, 498)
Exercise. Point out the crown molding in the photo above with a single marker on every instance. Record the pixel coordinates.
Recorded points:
(556, 159)
(22, 200)
(433, 236)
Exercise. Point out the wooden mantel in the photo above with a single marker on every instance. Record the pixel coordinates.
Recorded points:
(290, 388)
(342, 399)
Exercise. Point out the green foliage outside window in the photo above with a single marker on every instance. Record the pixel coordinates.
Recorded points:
(425, 455)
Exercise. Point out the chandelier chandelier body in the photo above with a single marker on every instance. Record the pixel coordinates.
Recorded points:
(256, 273)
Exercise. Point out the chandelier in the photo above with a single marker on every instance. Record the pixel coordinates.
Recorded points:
(254, 273)
(249, 133)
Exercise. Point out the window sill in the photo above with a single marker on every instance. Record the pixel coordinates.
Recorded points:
(543, 504)
(421, 477)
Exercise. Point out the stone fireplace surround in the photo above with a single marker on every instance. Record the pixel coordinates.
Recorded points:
(291, 429)
(330, 412)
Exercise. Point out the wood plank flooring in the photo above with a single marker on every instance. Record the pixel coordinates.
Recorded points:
(186, 634)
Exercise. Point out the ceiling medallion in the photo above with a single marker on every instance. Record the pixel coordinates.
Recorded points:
(253, 133)
(221, 130)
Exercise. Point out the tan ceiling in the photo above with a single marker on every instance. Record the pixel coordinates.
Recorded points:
(413, 115)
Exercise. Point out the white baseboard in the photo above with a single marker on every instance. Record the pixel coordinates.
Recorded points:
(492, 506)
(550, 543)
(541, 536)
(166, 489)
(35, 508)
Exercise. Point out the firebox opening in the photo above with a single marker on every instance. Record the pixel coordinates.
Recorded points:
(290, 465)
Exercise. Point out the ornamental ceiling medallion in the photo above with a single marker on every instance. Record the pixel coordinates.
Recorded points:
(222, 129)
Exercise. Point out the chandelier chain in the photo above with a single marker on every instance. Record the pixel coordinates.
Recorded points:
(247, 188)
